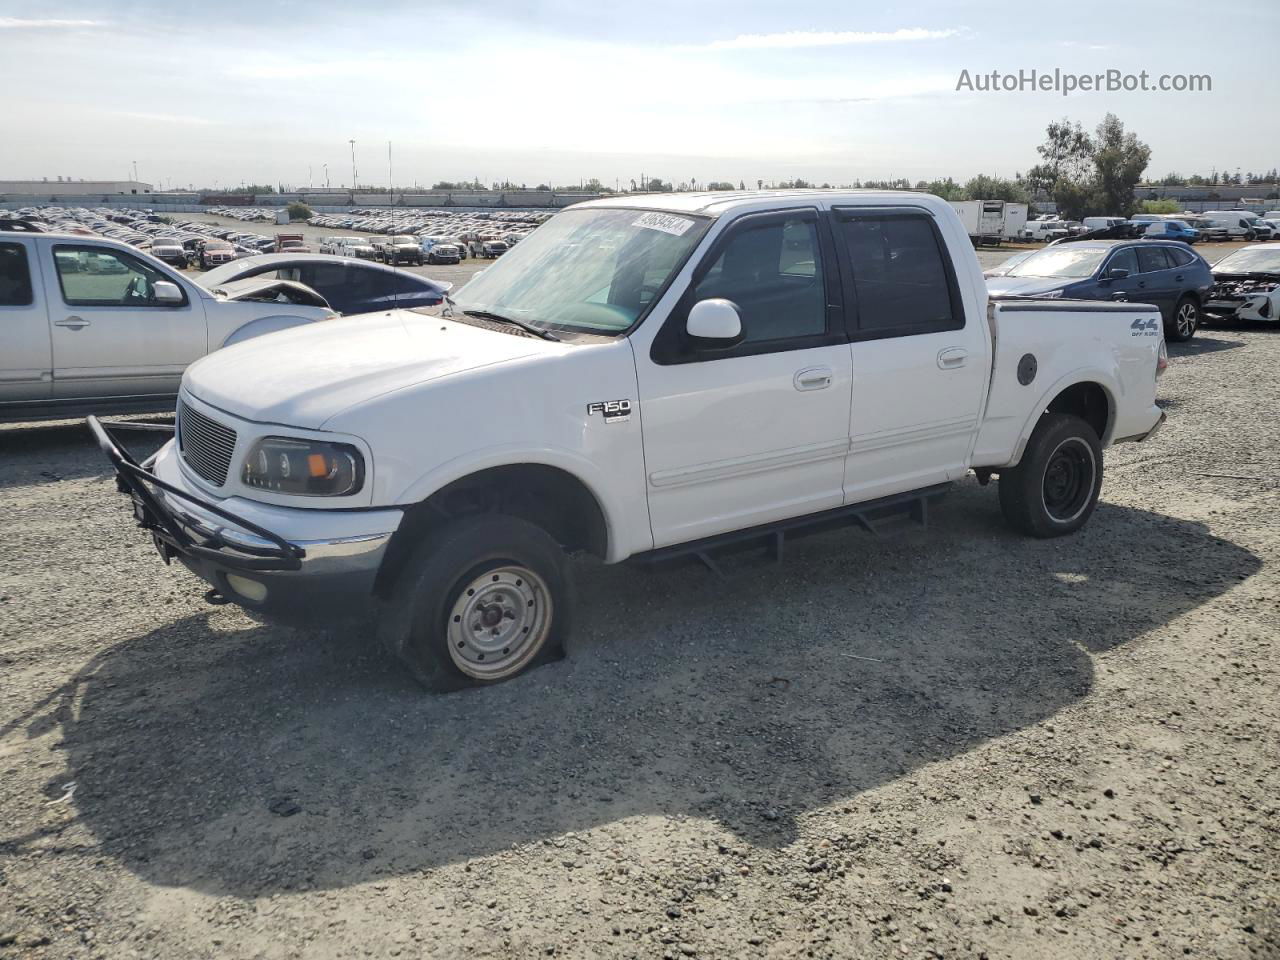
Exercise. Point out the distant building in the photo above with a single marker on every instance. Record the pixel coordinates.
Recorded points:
(66, 187)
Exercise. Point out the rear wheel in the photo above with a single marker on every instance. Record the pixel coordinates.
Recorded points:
(1054, 489)
(1186, 319)
(482, 600)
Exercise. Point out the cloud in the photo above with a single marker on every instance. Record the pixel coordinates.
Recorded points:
(182, 118)
(1085, 46)
(18, 23)
(793, 39)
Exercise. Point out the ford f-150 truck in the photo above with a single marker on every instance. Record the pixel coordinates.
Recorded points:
(640, 377)
(88, 323)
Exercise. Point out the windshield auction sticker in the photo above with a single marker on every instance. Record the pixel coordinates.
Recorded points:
(676, 226)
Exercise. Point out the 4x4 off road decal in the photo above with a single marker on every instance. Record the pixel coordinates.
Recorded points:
(1144, 328)
(613, 411)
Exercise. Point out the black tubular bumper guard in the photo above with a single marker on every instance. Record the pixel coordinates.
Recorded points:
(174, 535)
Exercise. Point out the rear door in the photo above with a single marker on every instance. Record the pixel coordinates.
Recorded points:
(1157, 271)
(26, 356)
(920, 358)
(110, 336)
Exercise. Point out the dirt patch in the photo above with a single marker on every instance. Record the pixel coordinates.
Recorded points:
(955, 742)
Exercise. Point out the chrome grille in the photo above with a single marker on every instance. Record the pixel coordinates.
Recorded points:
(205, 444)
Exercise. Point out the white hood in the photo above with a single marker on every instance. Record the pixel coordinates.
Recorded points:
(304, 376)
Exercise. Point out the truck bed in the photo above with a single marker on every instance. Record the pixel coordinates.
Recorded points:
(1042, 347)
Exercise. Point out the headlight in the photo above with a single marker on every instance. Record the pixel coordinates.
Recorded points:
(1051, 294)
(308, 468)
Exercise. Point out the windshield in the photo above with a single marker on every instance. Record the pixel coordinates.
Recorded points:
(1258, 260)
(1071, 262)
(593, 270)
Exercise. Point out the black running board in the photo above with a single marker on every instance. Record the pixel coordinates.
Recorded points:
(887, 514)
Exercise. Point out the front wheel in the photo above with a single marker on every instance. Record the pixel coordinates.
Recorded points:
(1186, 319)
(1054, 489)
(480, 601)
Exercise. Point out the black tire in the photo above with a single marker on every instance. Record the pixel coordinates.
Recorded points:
(1054, 489)
(1250, 236)
(506, 559)
(1186, 320)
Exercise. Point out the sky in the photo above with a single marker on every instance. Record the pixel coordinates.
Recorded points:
(566, 90)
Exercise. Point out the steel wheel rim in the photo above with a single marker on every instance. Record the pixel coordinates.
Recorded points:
(1186, 320)
(1069, 476)
(498, 622)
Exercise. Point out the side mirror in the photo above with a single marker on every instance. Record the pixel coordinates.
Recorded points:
(715, 322)
(1117, 273)
(164, 291)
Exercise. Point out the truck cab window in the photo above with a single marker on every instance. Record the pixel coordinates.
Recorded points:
(101, 277)
(15, 276)
(773, 274)
(899, 276)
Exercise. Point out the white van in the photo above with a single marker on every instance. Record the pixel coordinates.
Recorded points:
(1238, 223)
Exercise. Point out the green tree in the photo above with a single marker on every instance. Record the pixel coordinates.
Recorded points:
(299, 211)
(1160, 206)
(1120, 159)
(947, 189)
(983, 187)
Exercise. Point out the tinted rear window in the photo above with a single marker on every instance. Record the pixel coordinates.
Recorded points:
(899, 275)
(15, 276)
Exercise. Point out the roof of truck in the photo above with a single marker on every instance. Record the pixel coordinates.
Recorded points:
(715, 202)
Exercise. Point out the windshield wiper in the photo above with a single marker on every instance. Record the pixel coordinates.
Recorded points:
(500, 318)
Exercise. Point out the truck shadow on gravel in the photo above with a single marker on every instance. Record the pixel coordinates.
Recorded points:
(251, 761)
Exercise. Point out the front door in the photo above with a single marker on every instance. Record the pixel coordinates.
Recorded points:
(743, 436)
(111, 337)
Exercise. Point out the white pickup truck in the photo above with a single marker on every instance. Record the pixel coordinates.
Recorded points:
(88, 323)
(641, 377)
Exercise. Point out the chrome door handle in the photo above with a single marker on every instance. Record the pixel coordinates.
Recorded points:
(813, 378)
(75, 323)
(952, 357)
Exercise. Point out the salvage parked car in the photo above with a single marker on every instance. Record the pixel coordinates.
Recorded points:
(444, 253)
(171, 253)
(400, 249)
(1169, 275)
(216, 252)
(349, 286)
(1171, 230)
(380, 466)
(88, 321)
(1246, 285)
(357, 247)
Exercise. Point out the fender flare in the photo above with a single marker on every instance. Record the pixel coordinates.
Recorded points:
(259, 326)
(578, 467)
(1067, 380)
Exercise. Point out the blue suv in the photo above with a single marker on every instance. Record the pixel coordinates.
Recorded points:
(1170, 275)
(1171, 230)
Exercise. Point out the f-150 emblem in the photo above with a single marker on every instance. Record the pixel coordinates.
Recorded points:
(612, 411)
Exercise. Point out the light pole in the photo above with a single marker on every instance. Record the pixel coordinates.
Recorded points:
(326, 176)
(391, 183)
(135, 171)
(353, 165)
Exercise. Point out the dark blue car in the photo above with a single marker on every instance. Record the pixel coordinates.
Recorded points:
(350, 285)
(1168, 274)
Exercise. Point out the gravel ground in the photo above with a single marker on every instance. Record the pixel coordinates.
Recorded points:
(950, 743)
